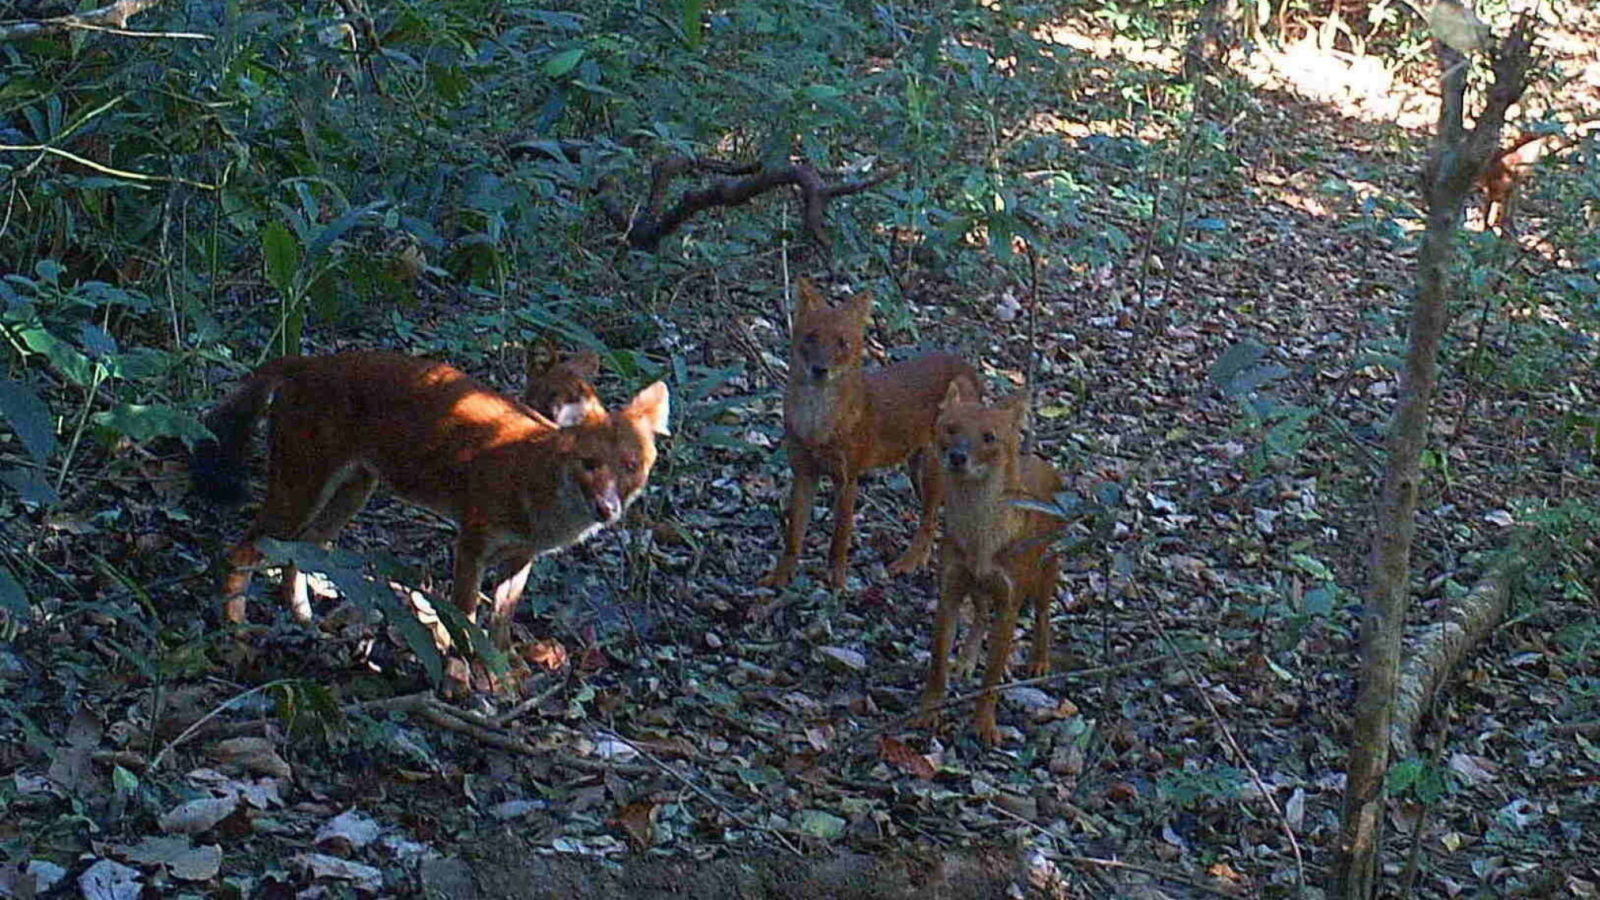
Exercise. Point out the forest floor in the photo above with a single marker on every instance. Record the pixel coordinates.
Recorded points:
(712, 739)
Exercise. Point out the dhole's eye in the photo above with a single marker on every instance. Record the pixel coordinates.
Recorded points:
(988, 437)
(842, 343)
(950, 430)
(811, 338)
(630, 466)
(591, 465)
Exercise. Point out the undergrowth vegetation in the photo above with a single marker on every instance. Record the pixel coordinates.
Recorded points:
(461, 178)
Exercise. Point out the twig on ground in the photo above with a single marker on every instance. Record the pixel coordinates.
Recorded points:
(704, 794)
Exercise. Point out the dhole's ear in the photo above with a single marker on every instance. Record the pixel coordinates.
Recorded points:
(650, 405)
(860, 305)
(952, 396)
(585, 364)
(810, 298)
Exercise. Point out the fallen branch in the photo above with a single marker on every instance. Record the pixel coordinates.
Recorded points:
(113, 18)
(1441, 647)
(646, 224)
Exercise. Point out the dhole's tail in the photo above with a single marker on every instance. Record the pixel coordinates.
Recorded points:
(217, 466)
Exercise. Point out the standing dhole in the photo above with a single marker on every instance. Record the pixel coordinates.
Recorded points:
(994, 551)
(840, 421)
(512, 481)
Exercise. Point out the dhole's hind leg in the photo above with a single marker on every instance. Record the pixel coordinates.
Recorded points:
(967, 657)
(929, 481)
(346, 500)
(298, 483)
(1044, 596)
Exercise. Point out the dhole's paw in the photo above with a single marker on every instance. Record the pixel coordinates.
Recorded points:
(988, 732)
(1037, 668)
(984, 724)
(777, 578)
(928, 719)
(836, 578)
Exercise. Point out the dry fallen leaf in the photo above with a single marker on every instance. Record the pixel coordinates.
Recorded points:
(900, 755)
(197, 816)
(548, 653)
(255, 755)
(179, 855)
(638, 821)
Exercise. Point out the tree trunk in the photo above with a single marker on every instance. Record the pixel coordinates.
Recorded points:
(1457, 158)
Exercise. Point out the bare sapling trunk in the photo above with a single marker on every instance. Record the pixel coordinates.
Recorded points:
(1457, 158)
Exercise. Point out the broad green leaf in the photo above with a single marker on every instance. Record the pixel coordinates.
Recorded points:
(819, 824)
(142, 423)
(32, 485)
(29, 417)
(563, 62)
(12, 596)
(281, 254)
(1403, 774)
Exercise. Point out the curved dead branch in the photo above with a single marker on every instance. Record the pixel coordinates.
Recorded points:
(646, 224)
(1440, 648)
(112, 17)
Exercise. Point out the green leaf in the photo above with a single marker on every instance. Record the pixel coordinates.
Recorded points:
(691, 18)
(1311, 566)
(30, 418)
(32, 485)
(12, 596)
(819, 824)
(345, 570)
(1403, 774)
(563, 62)
(281, 255)
(142, 423)
(125, 781)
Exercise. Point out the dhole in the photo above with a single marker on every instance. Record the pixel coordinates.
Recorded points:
(559, 387)
(512, 481)
(994, 551)
(1511, 165)
(841, 421)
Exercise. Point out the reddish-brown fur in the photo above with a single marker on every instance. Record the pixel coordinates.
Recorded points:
(559, 387)
(1506, 172)
(513, 482)
(840, 421)
(994, 551)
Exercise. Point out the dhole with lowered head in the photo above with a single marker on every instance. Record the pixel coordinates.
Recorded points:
(340, 425)
(840, 420)
(558, 386)
(994, 551)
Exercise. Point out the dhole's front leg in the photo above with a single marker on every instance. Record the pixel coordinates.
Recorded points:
(506, 596)
(802, 493)
(953, 586)
(1006, 603)
(848, 484)
(929, 478)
